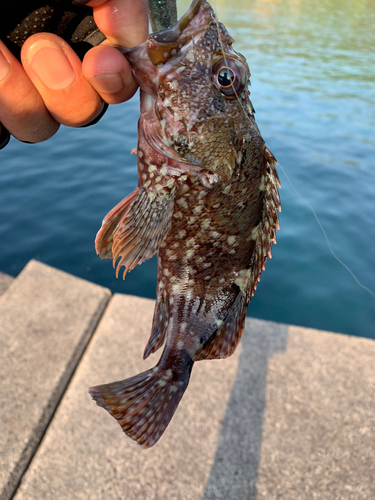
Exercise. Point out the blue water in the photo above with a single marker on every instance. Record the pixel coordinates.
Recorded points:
(313, 87)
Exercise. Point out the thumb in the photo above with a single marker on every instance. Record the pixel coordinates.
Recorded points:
(123, 22)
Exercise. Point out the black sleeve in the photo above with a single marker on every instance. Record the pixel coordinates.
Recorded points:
(20, 19)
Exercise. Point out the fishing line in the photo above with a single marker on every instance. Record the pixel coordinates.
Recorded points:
(345, 266)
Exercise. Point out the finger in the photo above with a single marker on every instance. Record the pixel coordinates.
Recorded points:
(22, 110)
(56, 72)
(109, 73)
(124, 22)
(4, 136)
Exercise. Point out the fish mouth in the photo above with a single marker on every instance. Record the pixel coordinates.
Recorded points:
(162, 45)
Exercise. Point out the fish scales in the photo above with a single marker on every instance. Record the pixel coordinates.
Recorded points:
(207, 202)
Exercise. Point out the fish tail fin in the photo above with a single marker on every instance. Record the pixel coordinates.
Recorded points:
(144, 404)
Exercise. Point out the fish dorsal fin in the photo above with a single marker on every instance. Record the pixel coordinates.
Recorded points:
(224, 340)
(264, 234)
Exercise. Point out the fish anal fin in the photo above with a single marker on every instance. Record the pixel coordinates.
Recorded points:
(224, 340)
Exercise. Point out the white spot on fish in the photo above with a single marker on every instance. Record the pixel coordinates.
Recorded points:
(182, 203)
(231, 240)
(206, 223)
(243, 279)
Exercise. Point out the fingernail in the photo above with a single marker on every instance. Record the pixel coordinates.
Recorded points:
(4, 66)
(50, 64)
(109, 84)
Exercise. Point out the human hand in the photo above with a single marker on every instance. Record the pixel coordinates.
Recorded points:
(52, 86)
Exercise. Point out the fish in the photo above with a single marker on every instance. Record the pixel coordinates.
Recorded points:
(207, 203)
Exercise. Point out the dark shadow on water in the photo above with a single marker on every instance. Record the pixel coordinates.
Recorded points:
(235, 469)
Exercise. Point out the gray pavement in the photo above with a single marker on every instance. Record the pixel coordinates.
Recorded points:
(319, 424)
(289, 416)
(47, 318)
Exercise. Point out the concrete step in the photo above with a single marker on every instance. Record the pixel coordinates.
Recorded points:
(46, 320)
(289, 416)
(5, 282)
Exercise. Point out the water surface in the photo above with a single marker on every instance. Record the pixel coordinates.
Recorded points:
(313, 88)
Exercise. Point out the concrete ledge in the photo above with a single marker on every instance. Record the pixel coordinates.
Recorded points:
(47, 318)
(318, 430)
(5, 282)
(290, 415)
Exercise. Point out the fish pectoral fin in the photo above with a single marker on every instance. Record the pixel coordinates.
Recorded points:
(135, 229)
(104, 238)
(144, 404)
(224, 340)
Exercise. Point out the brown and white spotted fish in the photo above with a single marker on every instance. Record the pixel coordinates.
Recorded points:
(206, 202)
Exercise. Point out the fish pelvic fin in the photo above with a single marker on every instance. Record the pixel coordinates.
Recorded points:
(144, 404)
(135, 228)
(225, 339)
(159, 325)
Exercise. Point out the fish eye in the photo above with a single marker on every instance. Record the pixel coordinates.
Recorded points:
(229, 76)
(226, 77)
